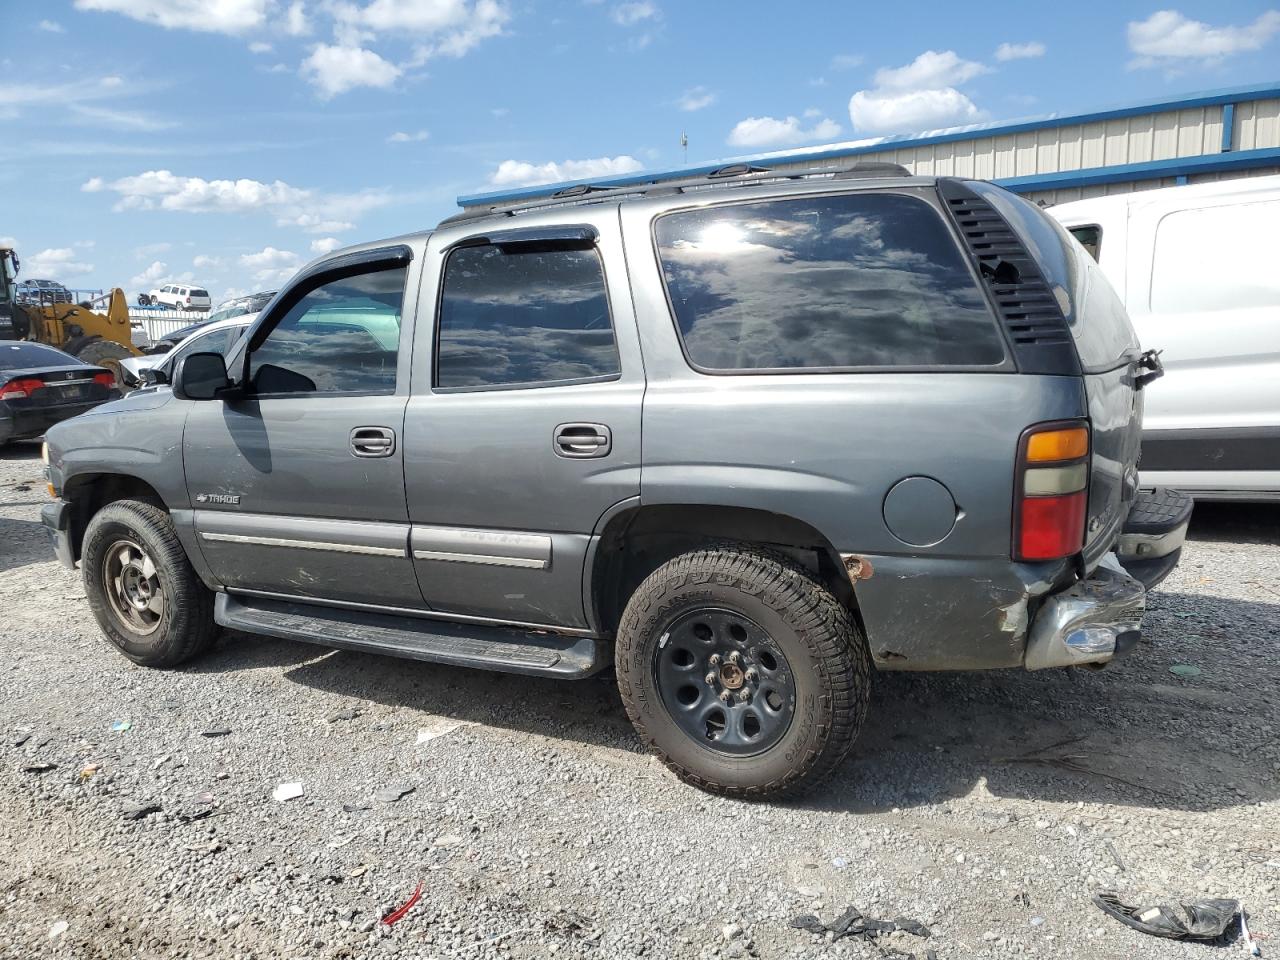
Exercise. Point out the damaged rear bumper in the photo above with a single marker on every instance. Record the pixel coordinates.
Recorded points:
(1092, 621)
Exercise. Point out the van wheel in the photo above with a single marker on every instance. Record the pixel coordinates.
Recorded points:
(742, 673)
(147, 599)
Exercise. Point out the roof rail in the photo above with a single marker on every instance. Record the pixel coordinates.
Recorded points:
(683, 181)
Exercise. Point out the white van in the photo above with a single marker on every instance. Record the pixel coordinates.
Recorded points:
(1199, 270)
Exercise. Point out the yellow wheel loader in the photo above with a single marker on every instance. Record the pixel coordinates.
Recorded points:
(103, 339)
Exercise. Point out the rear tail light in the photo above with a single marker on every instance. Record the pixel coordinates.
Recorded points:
(108, 380)
(1052, 491)
(20, 389)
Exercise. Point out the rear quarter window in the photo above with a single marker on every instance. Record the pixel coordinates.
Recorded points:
(857, 281)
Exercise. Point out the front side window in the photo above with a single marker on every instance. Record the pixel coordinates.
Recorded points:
(524, 317)
(1090, 238)
(1217, 258)
(860, 280)
(341, 337)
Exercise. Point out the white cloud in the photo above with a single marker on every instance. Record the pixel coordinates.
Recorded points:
(337, 69)
(449, 28)
(119, 119)
(770, 132)
(401, 137)
(151, 249)
(1168, 37)
(15, 96)
(291, 206)
(931, 70)
(629, 14)
(9, 242)
(259, 46)
(518, 173)
(1020, 51)
(205, 262)
(150, 276)
(921, 94)
(325, 245)
(54, 263)
(212, 16)
(695, 98)
(847, 61)
(886, 111)
(270, 265)
(51, 26)
(296, 22)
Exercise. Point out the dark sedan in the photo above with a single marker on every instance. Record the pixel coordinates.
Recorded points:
(41, 386)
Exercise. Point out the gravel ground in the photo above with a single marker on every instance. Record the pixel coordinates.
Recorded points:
(537, 828)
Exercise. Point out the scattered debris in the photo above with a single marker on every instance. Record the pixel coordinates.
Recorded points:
(1204, 919)
(840, 863)
(286, 792)
(216, 732)
(24, 734)
(1115, 855)
(41, 767)
(89, 769)
(359, 871)
(1249, 943)
(213, 846)
(120, 726)
(355, 807)
(438, 727)
(349, 714)
(447, 840)
(393, 793)
(398, 913)
(852, 923)
(58, 929)
(1184, 670)
(205, 797)
(136, 811)
(338, 842)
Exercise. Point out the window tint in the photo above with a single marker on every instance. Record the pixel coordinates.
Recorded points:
(199, 293)
(215, 341)
(342, 337)
(864, 280)
(1090, 238)
(523, 317)
(15, 356)
(1218, 258)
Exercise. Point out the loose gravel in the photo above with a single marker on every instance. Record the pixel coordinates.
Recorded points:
(986, 806)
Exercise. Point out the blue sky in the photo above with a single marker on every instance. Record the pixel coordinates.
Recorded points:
(229, 141)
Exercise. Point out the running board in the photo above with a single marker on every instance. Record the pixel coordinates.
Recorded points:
(505, 649)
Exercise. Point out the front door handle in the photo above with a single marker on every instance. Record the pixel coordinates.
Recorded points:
(373, 441)
(578, 441)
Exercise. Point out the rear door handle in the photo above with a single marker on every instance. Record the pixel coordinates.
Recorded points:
(579, 441)
(373, 441)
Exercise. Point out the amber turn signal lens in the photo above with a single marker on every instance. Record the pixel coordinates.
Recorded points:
(1052, 445)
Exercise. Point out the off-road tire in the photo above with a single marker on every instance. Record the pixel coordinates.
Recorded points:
(818, 636)
(186, 627)
(107, 354)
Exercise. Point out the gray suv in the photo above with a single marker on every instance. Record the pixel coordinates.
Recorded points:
(743, 436)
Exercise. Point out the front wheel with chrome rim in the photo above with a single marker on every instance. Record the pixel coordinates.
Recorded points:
(742, 672)
(141, 588)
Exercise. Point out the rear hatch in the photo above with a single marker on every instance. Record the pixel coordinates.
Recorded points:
(1107, 356)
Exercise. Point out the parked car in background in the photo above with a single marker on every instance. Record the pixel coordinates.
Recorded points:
(218, 336)
(40, 292)
(177, 296)
(1198, 268)
(887, 420)
(41, 386)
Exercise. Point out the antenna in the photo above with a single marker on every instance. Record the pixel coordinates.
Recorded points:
(684, 143)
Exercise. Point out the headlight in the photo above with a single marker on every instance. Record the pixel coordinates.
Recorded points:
(44, 454)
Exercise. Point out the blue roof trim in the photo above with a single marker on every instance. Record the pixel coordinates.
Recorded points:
(1204, 98)
(1181, 166)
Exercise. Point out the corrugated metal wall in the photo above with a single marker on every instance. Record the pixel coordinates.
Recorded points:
(1081, 146)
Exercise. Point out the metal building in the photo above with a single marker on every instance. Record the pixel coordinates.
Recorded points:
(1211, 135)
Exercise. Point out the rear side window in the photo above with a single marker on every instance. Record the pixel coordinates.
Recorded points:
(524, 317)
(1217, 258)
(1090, 238)
(861, 280)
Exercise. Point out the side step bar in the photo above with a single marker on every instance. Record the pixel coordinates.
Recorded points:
(505, 649)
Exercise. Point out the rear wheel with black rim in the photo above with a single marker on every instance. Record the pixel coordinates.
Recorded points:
(141, 588)
(742, 672)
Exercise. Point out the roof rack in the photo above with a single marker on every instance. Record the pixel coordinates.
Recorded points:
(683, 181)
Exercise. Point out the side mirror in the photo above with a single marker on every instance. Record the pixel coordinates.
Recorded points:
(200, 376)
